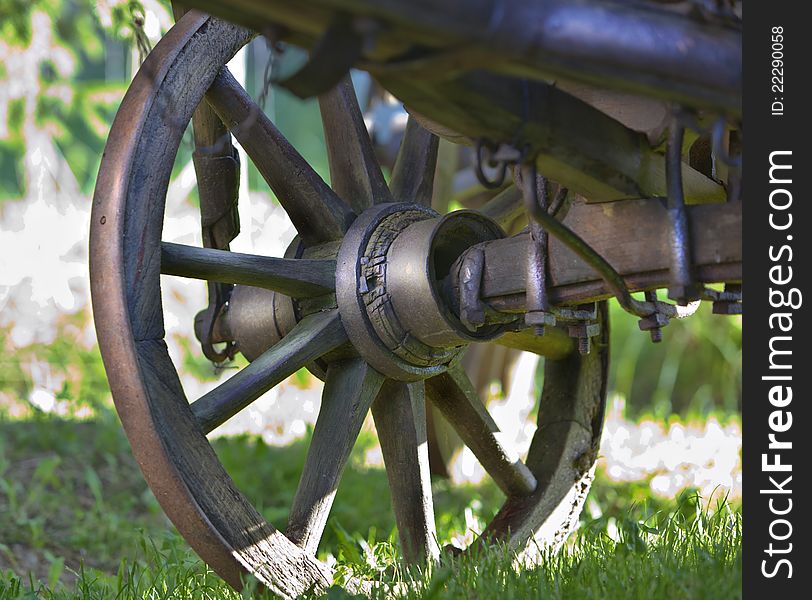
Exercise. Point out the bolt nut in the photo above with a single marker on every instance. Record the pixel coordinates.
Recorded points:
(684, 294)
(653, 321)
(727, 308)
(653, 324)
(587, 330)
(539, 317)
(584, 332)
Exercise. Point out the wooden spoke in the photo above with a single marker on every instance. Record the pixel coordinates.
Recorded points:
(563, 450)
(312, 337)
(505, 207)
(298, 278)
(400, 418)
(454, 395)
(354, 171)
(413, 173)
(350, 388)
(316, 211)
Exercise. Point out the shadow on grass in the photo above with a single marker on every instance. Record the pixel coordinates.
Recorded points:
(77, 517)
(71, 493)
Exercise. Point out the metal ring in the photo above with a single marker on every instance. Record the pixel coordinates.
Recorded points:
(491, 184)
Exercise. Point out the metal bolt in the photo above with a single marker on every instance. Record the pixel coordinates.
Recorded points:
(655, 322)
(584, 332)
(727, 308)
(684, 294)
(731, 304)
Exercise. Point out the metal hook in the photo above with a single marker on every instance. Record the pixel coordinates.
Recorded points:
(499, 180)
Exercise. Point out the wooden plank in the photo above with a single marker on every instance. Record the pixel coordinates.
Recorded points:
(623, 46)
(355, 174)
(400, 419)
(454, 395)
(576, 145)
(505, 207)
(632, 235)
(350, 388)
(313, 337)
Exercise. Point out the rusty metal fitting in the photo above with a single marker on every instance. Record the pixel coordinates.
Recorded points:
(539, 319)
(535, 191)
(728, 302)
(683, 288)
(653, 324)
(584, 332)
(472, 310)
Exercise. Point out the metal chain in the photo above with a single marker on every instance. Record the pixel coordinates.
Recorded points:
(275, 50)
(142, 43)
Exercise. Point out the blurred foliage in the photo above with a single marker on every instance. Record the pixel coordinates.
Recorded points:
(75, 58)
(75, 22)
(73, 368)
(694, 371)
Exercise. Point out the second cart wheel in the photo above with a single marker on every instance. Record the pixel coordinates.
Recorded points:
(363, 306)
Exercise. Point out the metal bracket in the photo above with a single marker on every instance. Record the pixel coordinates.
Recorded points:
(218, 183)
(535, 190)
(728, 302)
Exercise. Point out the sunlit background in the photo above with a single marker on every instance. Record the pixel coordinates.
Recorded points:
(673, 417)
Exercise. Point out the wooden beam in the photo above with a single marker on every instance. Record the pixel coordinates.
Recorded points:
(632, 235)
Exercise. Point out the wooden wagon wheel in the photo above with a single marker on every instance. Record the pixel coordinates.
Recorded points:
(341, 230)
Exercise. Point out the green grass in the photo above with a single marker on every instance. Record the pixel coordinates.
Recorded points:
(77, 521)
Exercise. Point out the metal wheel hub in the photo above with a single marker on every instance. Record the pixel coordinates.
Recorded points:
(388, 269)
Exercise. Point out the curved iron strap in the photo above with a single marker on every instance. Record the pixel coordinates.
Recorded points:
(499, 180)
(574, 242)
(719, 150)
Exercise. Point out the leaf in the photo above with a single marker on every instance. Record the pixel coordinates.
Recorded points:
(44, 473)
(95, 485)
(55, 571)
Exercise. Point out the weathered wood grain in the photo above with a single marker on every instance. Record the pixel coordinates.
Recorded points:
(400, 420)
(562, 453)
(282, 567)
(355, 174)
(413, 173)
(298, 278)
(313, 337)
(179, 464)
(575, 144)
(632, 235)
(318, 214)
(454, 395)
(349, 391)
